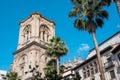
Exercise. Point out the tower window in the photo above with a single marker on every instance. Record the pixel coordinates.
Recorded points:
(119, 56)
(44, 33)
(112, 74)
(29, 66)
(27, 33)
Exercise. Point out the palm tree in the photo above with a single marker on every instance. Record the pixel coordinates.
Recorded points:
(89, 16)
(50, 70)
(56, 49)
(11, 76)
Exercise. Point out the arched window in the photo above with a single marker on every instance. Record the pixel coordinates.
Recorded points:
(22, 62)
(23, 59)
(43, 58)
(44, 33)
(96, 67)
(27, 33)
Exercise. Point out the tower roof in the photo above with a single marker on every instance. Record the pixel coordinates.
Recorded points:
(37, 13)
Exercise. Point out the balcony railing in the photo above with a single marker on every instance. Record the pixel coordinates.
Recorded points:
(109, 64)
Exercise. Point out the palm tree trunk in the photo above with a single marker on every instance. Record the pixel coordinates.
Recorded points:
(118, 6)
(98, 56)
(57, 60)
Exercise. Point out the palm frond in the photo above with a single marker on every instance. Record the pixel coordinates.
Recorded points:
(99, 22)
(103, 14)
(80, 24)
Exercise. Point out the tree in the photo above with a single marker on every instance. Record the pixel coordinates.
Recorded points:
(50, 70)
(77, 76)
(11, 76)
(89, 15)
(36, 75)
(56, 49)
(117, 5)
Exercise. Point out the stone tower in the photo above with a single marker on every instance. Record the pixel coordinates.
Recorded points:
(34, 32)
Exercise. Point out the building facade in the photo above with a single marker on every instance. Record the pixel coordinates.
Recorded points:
(2, 74)
(110, 56)
(35, 32)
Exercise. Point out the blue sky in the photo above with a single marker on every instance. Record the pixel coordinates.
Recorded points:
(78, 42)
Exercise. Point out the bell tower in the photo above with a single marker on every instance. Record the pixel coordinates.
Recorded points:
(34, 32)
(35, 28)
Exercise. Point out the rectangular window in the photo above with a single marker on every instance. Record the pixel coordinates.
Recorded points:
(96, 69)
(29, 66)
(100, 77)
(119, 56)
(109, 59)
(84, 73)
(92, 71)
(112, 74)
(88, 73)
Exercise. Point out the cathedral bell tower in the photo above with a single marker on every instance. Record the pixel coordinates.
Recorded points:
(35, 28)
(34, 32)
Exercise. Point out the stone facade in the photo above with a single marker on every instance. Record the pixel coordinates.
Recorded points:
(71, 64)
(2, 74)
(34, 33)
(110, 56)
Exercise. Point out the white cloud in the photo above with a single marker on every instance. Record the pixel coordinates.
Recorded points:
(83, 47)
(118, 25)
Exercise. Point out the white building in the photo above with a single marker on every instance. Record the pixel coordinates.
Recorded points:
(110, 55)
(2, 74)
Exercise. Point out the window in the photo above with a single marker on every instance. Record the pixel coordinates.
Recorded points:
(84, 69)
(92, 71)
(91, 65)
(88, 67)
(44, 33)
(29, 66)
(119, 56)
(100, 77)
(84, 73)
(112, 74)
(96, 68)
(88, 73)
(109, 59)
(27, 33)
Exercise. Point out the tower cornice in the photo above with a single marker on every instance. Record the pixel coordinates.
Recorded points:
(35, 14)
(28, 45)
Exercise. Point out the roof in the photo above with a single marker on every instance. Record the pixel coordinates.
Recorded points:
(36, 13)
(93, 57)
(116, 49)
(105, 41)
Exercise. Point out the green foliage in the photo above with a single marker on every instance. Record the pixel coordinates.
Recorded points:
(89, 14)
(56, 47)
(50, 70)
(77, 76)
(11, 76)
(37, 76)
